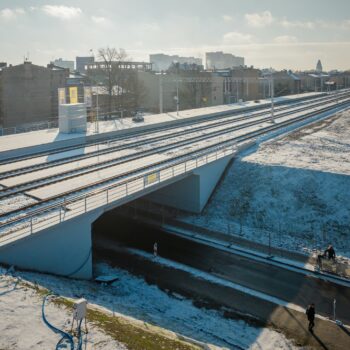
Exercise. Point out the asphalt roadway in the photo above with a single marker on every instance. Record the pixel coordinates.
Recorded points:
(284, 284)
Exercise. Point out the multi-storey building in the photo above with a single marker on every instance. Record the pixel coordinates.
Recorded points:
(161, 62)
(64, 64)
(221, 60)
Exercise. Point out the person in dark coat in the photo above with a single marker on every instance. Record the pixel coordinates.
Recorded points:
(310, 313)
(330, 253)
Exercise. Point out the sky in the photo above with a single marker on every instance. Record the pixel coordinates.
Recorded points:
(283, 34)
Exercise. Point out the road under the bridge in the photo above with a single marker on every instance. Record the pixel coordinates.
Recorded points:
(290, 286)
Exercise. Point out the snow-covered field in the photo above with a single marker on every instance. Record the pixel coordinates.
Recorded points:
(21, 326)
(295, 188)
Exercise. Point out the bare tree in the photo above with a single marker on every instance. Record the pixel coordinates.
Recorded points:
(111, 72)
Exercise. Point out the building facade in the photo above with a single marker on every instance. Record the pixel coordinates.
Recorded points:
(239, 84)
(28, 94)
(286, 83)
(81, 63)
(194, 90)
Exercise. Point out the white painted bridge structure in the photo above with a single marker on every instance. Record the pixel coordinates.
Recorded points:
(54, 186)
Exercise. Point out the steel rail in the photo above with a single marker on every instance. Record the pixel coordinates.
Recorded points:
(158, 166)
(66, 175)
(224, 114)
(65, 160)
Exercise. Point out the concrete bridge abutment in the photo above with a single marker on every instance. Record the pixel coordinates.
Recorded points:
(193, 192)
(64, 249)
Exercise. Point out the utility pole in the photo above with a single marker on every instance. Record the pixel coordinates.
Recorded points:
(161, 93)
(247, 89)
(177, 96)
(97, 112)
(272, 99)
(337, 92)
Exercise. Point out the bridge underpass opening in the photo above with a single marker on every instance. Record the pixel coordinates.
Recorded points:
(121, 240)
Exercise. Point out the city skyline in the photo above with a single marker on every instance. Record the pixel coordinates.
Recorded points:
(272, 33)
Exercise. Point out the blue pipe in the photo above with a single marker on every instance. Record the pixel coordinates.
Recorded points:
(59, 331)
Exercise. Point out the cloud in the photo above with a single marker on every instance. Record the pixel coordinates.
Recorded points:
(233, 38)
(99, 20)
(227, 18)
(153, 27)
(285, 39)
(297, 24)
(62, 12)
(10, 14)
(346, 24)
(259, 20)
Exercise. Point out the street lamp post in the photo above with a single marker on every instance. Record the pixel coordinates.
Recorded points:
(272, 99)
(97, 113)
(97, 128)
(160, 93)
(177, 96)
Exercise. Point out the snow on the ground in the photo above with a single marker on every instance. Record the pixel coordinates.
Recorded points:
(21, 325)
(324, 147)
(15, 202)
(133, 297)
(295, 189)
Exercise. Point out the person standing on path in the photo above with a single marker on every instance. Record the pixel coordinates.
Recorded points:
(155, 249)
(310, 312)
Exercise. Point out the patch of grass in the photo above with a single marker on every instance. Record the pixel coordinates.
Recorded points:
(133, 336)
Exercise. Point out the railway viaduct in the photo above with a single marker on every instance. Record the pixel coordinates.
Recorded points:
(55, 235)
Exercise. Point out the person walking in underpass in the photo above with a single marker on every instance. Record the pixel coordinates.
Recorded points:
(155, 249)
(310, 313)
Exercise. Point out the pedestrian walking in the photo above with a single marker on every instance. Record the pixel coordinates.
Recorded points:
(155, 249)
(330, 253)
(310, 313)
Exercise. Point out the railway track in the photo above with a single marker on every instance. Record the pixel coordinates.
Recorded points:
(64, 198)
(168, 127)
(181, 129)
(69, 174)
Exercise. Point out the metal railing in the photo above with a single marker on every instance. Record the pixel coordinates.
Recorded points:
(68, 209)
